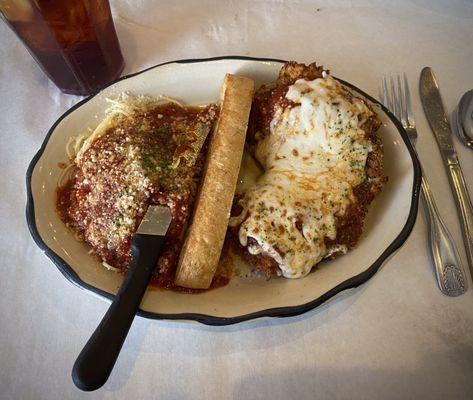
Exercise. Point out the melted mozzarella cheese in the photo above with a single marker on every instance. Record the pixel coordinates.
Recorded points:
(314, 156)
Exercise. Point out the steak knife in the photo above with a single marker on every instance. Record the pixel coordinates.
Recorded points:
(435, 113)
(96, 360)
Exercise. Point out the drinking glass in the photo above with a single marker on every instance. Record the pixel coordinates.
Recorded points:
(73, 41)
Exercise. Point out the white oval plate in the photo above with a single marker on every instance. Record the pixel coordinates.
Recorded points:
(388, 224)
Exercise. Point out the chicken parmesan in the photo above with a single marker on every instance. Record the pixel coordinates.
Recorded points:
(322, 160)
(146, 151)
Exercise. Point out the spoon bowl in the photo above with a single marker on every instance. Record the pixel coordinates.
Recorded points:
(462, 119)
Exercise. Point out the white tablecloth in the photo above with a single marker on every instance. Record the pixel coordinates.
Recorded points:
(396, 337)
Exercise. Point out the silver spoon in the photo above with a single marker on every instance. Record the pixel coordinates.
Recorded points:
(462, 119)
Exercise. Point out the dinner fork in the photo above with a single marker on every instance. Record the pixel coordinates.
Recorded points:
(447, 263)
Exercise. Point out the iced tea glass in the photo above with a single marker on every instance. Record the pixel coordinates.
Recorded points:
(74, 41)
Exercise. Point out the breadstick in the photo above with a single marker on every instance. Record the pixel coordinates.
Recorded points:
(201, 250)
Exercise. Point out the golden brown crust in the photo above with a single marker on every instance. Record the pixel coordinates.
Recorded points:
(292, 71)
(201, 251)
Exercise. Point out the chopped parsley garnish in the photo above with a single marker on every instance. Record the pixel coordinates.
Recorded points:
(155, 162)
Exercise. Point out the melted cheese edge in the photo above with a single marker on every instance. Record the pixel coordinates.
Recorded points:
(314, 156)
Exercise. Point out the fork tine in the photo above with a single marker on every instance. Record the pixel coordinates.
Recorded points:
(394, 103)
(409, 114)
(402, 101)
(384, 99)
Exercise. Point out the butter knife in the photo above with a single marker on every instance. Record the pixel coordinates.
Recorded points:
(435, 113)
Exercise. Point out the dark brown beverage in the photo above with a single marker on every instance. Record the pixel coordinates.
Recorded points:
(74, 41)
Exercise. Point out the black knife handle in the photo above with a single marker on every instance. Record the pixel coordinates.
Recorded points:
(96, 360)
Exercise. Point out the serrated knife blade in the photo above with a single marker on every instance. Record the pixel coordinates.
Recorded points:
(437, 118)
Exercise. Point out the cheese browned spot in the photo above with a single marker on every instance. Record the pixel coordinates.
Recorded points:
(316, 142)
